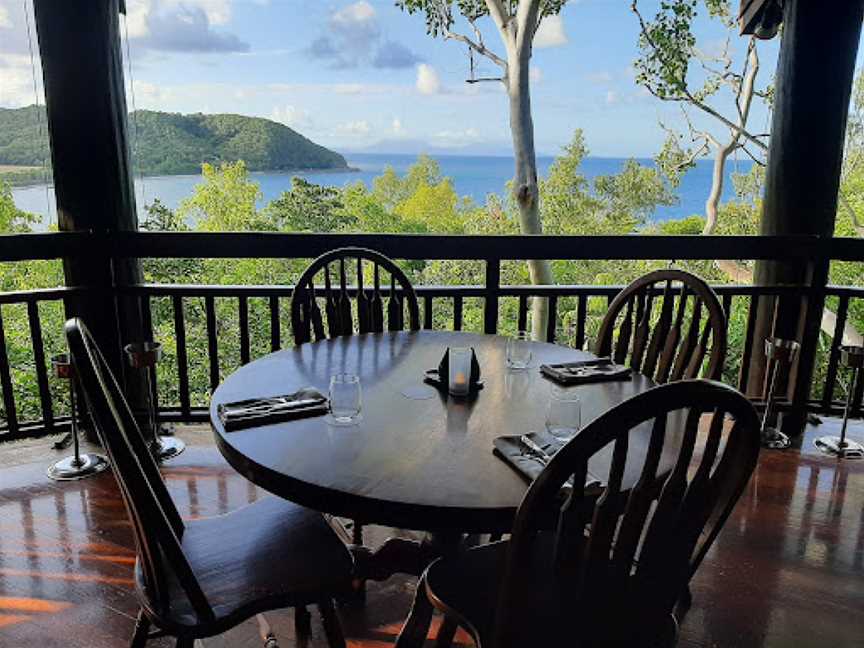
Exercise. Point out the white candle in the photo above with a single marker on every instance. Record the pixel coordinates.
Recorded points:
(460, 368)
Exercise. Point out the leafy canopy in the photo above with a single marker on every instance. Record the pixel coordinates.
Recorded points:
(440, 17)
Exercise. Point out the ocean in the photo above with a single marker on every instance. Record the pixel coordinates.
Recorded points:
(473, 176)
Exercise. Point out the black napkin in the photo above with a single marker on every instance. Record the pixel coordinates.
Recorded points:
(585, 371)
(274, 409)
(529, 463)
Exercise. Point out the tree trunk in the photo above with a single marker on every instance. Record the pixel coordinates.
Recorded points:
(713, 201)
(525, 189)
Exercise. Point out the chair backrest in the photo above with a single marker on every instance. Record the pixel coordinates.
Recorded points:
(156, 523)
(669, 342)
(622, 563)
(306, 316)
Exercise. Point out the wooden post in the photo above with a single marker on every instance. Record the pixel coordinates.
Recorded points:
(85, 100)
(813, 87)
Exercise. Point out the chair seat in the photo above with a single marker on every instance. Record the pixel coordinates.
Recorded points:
(467, 586)
(268, 554)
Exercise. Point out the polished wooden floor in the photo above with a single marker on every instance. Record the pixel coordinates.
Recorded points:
(788, 569)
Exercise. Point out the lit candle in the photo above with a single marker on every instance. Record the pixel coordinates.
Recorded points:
(460, 368)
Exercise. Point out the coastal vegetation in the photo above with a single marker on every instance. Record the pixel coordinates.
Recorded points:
(169, 144)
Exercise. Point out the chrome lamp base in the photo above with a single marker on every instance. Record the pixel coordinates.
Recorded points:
(834, 446)
(71, 468)
(164, 448)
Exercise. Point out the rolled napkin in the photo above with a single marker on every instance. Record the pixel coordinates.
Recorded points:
(274, 409)
(529, 453)
(582, 372)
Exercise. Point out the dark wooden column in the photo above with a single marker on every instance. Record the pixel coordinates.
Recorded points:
(813, 85)
(85, 100)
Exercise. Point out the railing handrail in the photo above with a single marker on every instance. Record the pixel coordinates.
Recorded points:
(58, 245)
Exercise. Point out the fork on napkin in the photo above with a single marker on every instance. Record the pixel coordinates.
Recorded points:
(274, 409)
(529, 453)
(585, 371)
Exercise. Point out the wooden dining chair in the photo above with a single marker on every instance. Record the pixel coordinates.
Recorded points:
(607, 572)
(200, 578)
(340, 316)
(669, 325)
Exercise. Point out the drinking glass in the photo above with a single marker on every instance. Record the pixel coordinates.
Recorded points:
(519, 350)
(565, 414)
(345, 399)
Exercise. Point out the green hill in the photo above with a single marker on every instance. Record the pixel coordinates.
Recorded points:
(171, 143)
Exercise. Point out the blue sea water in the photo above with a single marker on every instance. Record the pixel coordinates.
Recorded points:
(473, 176)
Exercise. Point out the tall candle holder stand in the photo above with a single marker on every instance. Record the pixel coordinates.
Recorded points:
(79, 465)
(144, 356)
(851, 357)
(780, 353)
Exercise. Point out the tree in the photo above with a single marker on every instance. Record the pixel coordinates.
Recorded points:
(308, 207)
(517, 22)
(12, 219)
(668, 57)
(226, 201)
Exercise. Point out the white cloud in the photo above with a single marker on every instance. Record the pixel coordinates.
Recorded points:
(428, 82)
(535, 74)
(600, 77)
(16, 82)
(181, 25)
(612, 98)
(456, 138)
(550, 33)
(5, 20)
(292, 116)
(359, 12)
(359, 128)
(397, 127)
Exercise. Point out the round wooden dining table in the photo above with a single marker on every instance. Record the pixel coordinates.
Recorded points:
(416, 459)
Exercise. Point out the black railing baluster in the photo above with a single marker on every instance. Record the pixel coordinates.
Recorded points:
(182, 361)
(747, 354)
(836, 341)
(275, 324)
(581, 319)
(457, 313)
(522, 323)
(552, 323)
(212, 348)
(243, 313)
(727, 308)
(427, 312)
(490, 304)
(39, 359)
(6, 383)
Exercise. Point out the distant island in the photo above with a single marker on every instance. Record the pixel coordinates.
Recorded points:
(170, 144)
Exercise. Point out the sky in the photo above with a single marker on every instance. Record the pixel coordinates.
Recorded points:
(359, 75)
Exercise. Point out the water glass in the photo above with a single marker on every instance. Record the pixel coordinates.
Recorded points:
(565, 414)
(345, 401)
(519, 350)
(459, 361)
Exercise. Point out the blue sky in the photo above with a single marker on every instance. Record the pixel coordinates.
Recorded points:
(358, 74)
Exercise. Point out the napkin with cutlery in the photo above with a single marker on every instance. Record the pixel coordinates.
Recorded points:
(273, 409)
(529, 453)
(585, 371)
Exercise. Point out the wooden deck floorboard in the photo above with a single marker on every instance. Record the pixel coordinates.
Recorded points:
(788, 569)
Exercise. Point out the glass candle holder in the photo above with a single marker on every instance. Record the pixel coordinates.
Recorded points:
(459, 361)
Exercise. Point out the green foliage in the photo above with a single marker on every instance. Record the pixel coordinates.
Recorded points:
(309, 207)
(12, 219)
(225, 201)
(440, 17)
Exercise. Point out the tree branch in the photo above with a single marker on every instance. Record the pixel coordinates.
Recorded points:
(480, 48)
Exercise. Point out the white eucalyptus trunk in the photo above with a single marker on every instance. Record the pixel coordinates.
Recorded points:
(525, 189)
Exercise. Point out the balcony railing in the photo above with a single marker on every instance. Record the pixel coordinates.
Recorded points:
(214, 329)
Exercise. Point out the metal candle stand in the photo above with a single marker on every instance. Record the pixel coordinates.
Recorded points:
(778, 352)
(78, 466)
(144, 356)
(851, 357)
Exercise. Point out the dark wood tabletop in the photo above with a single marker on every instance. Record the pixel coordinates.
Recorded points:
(423, 464)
